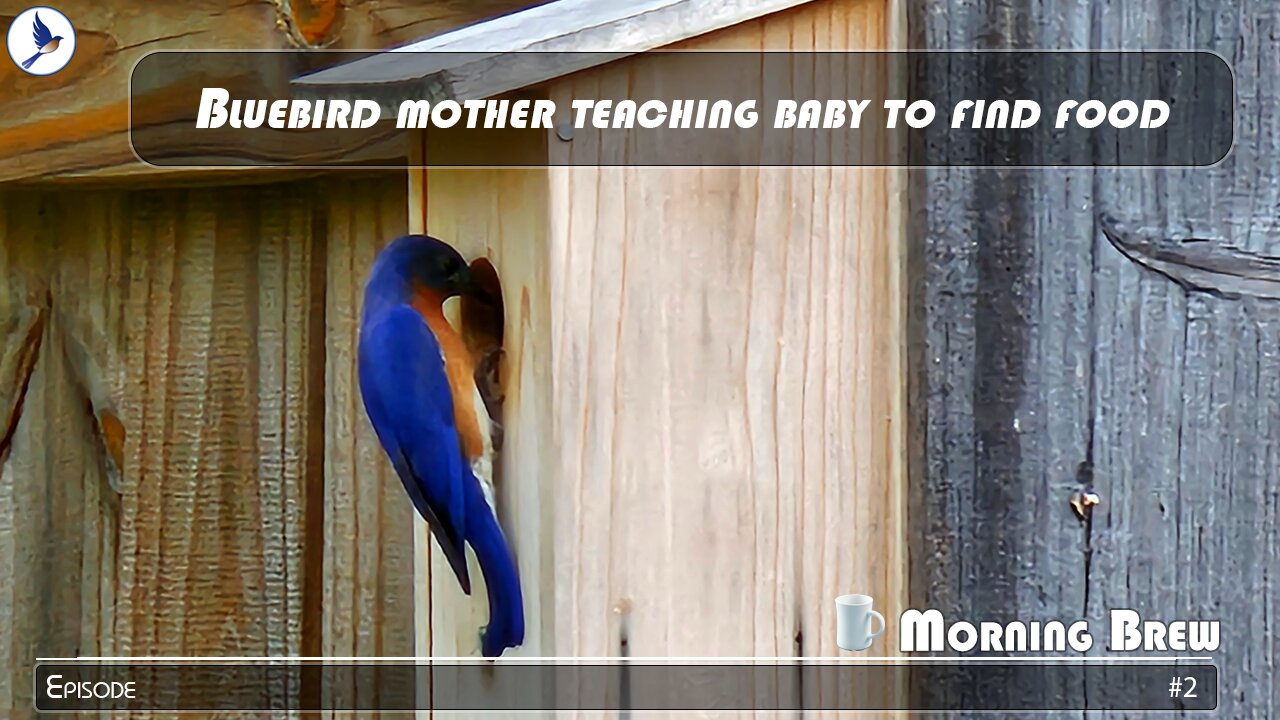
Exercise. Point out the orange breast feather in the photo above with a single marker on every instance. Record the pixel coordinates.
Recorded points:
(458, 368)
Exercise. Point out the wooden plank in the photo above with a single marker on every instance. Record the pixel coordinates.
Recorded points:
(59, 531)
(1040, 344)
(1001, 362)
(199, 304)
(528, 48)
(1196, 513)
(727, 361)
(501, 215)
(370, 584)
(76, 122)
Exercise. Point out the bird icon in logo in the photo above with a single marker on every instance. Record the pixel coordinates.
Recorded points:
(46, 42)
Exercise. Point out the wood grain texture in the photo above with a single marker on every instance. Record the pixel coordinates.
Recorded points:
(21, 339)
(76, 122)
(726, 374)
(502, 215)
(1203, 264)
(200, 300)
(1196, 526)
(1038, 345)
(499, 215)
(703, 409)
(59, 531)
(368, 519)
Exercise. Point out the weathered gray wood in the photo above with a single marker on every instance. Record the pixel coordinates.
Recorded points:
(1039, 344)
(1198, 403)
(527, 48)
(1199, 263)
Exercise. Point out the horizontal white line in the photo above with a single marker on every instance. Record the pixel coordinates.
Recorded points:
(632, 660)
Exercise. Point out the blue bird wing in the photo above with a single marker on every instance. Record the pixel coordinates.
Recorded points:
(42, 34)
(407, 396)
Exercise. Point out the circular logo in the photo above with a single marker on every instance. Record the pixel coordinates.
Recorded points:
(41, 40)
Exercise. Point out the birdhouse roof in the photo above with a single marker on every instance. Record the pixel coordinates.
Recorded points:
(526, 48)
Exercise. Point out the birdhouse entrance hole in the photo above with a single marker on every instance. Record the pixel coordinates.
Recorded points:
(482, 318)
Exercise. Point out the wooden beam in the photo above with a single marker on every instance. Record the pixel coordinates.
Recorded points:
(76, 121)
(528, 48)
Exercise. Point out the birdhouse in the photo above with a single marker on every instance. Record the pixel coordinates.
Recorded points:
(702, 376)
(700, 389)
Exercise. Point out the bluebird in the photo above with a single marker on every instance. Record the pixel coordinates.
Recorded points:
(46, 42)
(418, 384)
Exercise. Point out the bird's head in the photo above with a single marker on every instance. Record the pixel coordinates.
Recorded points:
(56, 38)
(429, 265)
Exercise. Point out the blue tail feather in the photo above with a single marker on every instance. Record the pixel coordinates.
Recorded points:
(26, 64)
(501, 579)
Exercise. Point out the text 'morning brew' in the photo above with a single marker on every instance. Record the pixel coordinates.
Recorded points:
(925, 632)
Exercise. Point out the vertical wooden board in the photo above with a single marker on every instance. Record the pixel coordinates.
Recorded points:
(1200, 506)
(501, 214)
(1177, 419)
(177, 514)
(88, 283)
(187, 300)
(1265, 657)
(1190, 530)
(57, 537)
(1001, 360)
(1225, 535)
(217, 320)
(724, 379)
(291, 426)
(721, 472)
(369, 580)
(107, 322)
(1132, 545)
(583, 404)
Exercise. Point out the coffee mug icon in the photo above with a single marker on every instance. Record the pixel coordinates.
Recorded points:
(853, 622)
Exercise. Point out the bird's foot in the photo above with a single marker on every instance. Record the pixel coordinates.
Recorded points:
(496, 435)
(484, 649)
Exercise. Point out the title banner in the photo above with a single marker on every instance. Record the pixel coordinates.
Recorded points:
(976, 109)
(504, 686)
